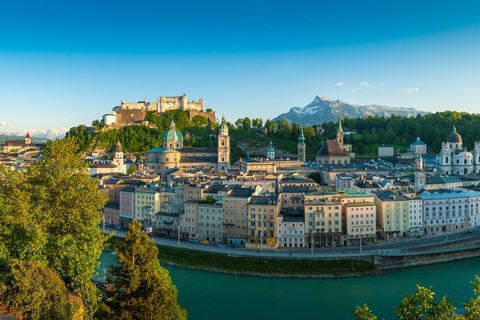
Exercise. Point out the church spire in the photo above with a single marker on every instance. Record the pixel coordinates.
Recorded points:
(340, 129)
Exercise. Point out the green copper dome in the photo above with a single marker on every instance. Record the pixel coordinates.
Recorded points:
(301, 139)
(270, 148)
(223, 125)
(173, 133)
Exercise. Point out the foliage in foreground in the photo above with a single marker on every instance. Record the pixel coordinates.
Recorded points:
(32, 291)
(141, 289)
(422, 305)
(50, 215)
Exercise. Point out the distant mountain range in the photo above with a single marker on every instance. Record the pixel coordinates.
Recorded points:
(323, 110)
(45, 134)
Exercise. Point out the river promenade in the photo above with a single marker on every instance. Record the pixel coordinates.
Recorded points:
(383, 248)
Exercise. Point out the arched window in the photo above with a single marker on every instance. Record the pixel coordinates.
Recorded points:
(465, 171)
(458, 161)
(465, 161)
(339, 161)
(446, 159)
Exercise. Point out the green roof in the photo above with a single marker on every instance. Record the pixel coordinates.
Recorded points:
(359, 204)
(162, 150)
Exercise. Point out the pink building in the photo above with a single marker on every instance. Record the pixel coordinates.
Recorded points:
(111, 214)
(127, 205)
(189, 220)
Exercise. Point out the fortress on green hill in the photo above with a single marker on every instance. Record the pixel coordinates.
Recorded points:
(164, 104)
(129, 113)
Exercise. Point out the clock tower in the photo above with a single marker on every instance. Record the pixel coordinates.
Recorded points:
(420, 176)
(223, 146)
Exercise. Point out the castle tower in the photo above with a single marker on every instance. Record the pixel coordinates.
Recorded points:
(340, 134)
(270, 151)
(223, 146)
(301, 147)
(420, 176)
(118, 158)
(27, 139)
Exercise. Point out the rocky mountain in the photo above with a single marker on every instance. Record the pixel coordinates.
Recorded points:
(323, 109)
(48, 134)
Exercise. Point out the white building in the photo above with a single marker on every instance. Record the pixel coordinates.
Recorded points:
(454, 159)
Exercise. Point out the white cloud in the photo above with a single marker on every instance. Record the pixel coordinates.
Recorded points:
(410, 90)
(3, 123)
(341, 84)
(366, 84)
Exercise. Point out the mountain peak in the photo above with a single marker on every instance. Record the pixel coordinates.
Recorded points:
(323, 109)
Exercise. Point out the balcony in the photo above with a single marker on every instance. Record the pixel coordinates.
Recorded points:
(168, 222)
(252, 219)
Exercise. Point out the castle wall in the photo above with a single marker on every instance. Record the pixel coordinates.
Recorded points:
(130, 115)
(209, 115)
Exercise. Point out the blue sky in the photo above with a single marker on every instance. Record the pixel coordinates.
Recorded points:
(65, 63)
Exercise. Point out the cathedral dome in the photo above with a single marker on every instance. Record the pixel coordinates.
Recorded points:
(173, 133)
(454, 137)
(270, 148)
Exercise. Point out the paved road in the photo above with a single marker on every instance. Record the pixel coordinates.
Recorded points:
(384, 247)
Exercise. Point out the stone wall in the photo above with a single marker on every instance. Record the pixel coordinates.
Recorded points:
(209, 115)
(130, 115)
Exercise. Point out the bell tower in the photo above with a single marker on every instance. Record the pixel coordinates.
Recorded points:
(223, 146)
(301, 147)
(340, 134)
(118, 158)
(420, 176)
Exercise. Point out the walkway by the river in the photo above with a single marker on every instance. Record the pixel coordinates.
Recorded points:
(382, 247)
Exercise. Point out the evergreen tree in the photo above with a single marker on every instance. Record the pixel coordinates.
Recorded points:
(141, 289)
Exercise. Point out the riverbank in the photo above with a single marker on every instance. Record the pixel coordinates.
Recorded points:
(261, 266)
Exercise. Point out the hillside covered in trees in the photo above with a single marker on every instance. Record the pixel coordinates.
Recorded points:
(246, 135)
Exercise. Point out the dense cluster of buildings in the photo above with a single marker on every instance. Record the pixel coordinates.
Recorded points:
(198, 193)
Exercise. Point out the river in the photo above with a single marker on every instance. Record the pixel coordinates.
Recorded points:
(218, 296)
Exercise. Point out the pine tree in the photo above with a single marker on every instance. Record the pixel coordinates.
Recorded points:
(141, 289)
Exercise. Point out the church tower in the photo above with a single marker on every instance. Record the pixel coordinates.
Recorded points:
(27, 139)
(340, 134)
(223, 146)
(270, 151)
(419, 174)
(118, 158)
(301, 147)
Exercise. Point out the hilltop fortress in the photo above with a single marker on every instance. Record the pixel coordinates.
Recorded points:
(134, 113)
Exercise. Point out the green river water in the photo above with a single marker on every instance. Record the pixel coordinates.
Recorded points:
(217, 296)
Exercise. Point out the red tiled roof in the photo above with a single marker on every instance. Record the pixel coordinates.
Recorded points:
(331, 148)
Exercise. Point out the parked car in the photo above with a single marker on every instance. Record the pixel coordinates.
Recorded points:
(162, 235)
(171, 236)
(468, 232)
(152, 234)
(204, 242)
(193, 240)
(233, 245)
(215, 243)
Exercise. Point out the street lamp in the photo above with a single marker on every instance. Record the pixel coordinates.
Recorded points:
(446, 238)
(311, 240)
(361, 229)
(178, 233)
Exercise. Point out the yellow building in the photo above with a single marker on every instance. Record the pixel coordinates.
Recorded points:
(393, 213)
(262, 213)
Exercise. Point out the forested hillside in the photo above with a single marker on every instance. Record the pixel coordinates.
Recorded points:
(246, 135)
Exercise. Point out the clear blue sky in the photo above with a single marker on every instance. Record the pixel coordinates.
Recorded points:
(64, 63)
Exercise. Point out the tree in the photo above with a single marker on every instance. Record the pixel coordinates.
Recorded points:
(209, 110)
(50, 214)
(133, 168)
(33, 291)
(247, 123)
(422, 305)
(141, 289)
